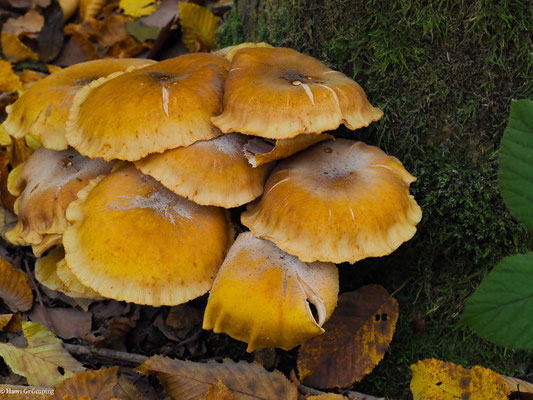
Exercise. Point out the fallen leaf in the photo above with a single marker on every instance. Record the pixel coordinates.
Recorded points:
(51, 35)
(219, 391)
(125, 390)
(518, 386)
(14, 287)
(10, 322)
(186, 380)
(9, 81)
(90, 8)
(96, 385)
(184, 317)
(137, 8)
(150, 26)
(327, 396)
(439, 380)
(68, 323)
(112, 333)
(44, 362)
(28, 25)
(198, 26)
(357, 336)
(28, 77)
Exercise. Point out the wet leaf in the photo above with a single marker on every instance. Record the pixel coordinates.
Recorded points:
(198, 26)
(9, 81)
(186, 380)
(44, 362)
(14, 287)
(96, 385)
(137, 8)
(357, 336)
(439, 380)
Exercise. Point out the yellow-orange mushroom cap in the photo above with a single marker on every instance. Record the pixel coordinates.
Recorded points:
(213, 172)
(262, 296)
(279, 93)
(229, 52)
(46, 184)
(43, 109)
(163, 106)
(338, 201)
(132, 239)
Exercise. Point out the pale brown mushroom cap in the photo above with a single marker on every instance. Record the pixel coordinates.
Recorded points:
(46, 184)
(43, 109)
(133, 240)
(338, 201)
(163, 106)
(262, 296)
(213, 172)
(279, 93)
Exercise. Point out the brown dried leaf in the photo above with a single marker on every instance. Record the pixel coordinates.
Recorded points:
(439, 380)
(125, 390)
(95, 385)
(51, 35)
(187, 380)
(219, 391)
(357, 336)
(184, 316)
(10, 322)
(14, 287)
(519, 386)
(68, 323)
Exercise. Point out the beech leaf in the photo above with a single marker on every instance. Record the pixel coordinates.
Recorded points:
(10, 322)
(96, 385)
(14, 287)
(198, 26)
(440, 380)
(137, 8)
(44, 362)
(357, 336)
(186, 380)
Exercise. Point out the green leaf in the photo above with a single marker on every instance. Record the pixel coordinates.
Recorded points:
(515, 173)
(141, 31)
(501, 308)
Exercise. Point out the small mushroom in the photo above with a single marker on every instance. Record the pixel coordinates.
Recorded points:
(46, 183)
(133, 240)
(213, 172)
(43, 109)
(268, 298)
(279, 93)
(338, 201)
(150, 110)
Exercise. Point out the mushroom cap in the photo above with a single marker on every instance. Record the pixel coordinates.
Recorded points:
(259, 152)
(132, 239)
(163, 106)
(338, 201)
(46, 184)
(43, 109)
(279, 93)
(229, 52)
(262, 295)
(213, 172)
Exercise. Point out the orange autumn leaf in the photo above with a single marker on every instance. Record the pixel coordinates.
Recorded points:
(357, 336)
(186, 380)
(10, 322)
(28, 25)
(439, 380)
(95, 385)
(219, 391)
(9, 81)
(14, 287)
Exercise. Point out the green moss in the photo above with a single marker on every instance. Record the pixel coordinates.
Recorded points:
(444, 74)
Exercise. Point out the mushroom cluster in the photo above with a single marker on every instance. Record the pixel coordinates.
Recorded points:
(141, 161)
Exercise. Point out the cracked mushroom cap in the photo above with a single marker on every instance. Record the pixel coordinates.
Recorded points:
(213, 172)
(338, 201)
(46, 184)
(263, 296)
(163, 106)
(43, 109)
(298, 94)
(133, 240)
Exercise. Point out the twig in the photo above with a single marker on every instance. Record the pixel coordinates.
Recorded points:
(47, 318)
(400, 288)
(137, 359)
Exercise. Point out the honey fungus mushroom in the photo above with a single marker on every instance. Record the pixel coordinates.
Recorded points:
(298, 94)
(159, 107)
(213, 172)
(338, 201)
(263, 296)
(46, 183)
(133, 240)
(43, 109)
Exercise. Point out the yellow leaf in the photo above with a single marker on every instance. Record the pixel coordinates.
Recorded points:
(186, 380)
(14, 287)
(137, 8)
(219, 391)
(357, 336)
(9, 81)
(44, 362)
(439, 380)
(96, 385)
(198, 26)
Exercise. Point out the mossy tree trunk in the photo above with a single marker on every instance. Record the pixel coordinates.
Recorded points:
(444, 73)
